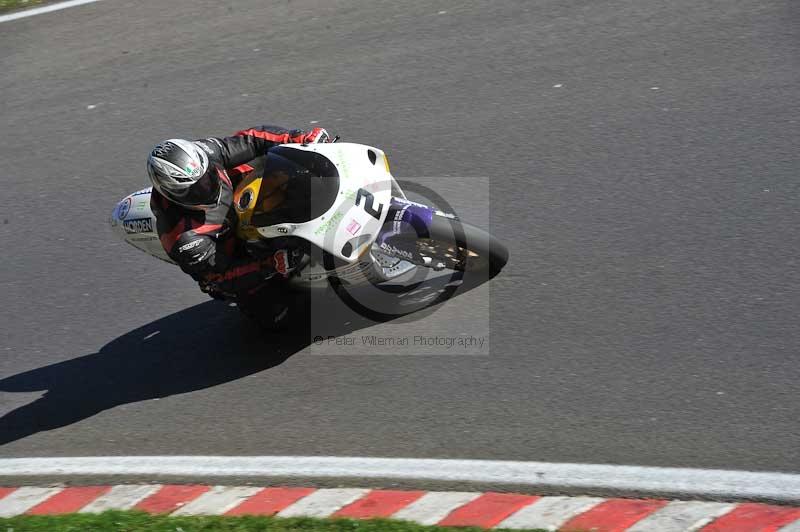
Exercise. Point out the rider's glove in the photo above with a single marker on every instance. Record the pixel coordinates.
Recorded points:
(286, 261)
(316, 136)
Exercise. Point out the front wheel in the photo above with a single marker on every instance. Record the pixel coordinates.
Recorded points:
(432, 242)
(454, 245)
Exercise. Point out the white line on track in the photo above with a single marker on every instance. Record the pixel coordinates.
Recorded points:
(217, 501)
(678, 516)
(120, 498)
(434, 506)
(323, 503)
(677, 481)
(23, 499)
(44, 9)
(550, 512)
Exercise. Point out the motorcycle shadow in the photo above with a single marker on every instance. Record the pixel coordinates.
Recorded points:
(197, 348)
(200, 347)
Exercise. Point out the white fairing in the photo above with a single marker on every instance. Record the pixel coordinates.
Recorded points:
(346, 230)
(349, 227)
(133, 220)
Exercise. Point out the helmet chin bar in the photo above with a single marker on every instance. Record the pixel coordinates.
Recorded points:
(203, 207)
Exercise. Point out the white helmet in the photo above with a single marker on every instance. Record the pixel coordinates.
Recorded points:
(180, 171)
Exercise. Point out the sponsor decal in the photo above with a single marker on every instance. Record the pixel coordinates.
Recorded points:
(397, 252)
(282, 230)
(123, 208)
(138, 225)
(192, 169)
(190, 245)
(330, 224)
(143, 191)
(353, 227)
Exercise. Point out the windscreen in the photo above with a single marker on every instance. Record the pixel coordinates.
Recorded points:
(297, 186)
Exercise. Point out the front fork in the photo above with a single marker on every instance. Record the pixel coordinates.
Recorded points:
(406, 222)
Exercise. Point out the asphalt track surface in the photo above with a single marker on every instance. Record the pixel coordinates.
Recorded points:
(639, 158)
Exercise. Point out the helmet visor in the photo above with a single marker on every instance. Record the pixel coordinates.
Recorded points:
(202, 193)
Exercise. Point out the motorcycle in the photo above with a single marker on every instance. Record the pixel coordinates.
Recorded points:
(341, 204)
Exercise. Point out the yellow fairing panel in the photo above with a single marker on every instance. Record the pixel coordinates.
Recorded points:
(245, 199)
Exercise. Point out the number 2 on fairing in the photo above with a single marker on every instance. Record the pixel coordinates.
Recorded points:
(368, 203)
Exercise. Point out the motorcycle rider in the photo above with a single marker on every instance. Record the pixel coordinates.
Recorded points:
(192, 199)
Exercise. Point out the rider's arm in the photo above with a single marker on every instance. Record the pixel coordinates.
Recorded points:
(195, 248)
(250, 143)
(201, 257)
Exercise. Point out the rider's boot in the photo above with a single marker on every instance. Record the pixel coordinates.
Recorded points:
(269, 307)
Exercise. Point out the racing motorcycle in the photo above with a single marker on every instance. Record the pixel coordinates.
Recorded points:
(342, 204)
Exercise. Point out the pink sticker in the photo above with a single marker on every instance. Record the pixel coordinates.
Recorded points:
(353, 227)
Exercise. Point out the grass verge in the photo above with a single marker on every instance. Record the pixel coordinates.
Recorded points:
(8, 5)
(139, 521)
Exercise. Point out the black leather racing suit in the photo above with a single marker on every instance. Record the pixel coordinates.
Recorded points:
(203, 243)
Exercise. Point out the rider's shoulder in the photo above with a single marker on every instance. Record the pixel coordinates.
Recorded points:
(209, 145)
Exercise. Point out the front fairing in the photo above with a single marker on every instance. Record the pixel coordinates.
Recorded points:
(348, 195)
